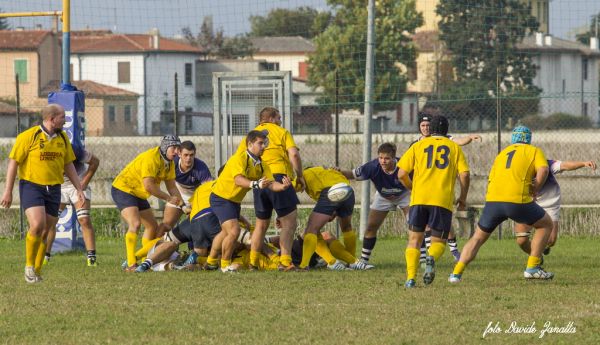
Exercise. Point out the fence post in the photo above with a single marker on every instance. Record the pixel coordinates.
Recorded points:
(176, 103)
(18, 113)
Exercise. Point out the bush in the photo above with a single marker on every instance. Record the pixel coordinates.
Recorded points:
(556, 121)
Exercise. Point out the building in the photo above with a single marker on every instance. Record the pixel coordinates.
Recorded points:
(284, 54)
(8, 118)
(144, 64)
(109, 111)
(567, 73)
(33, 55)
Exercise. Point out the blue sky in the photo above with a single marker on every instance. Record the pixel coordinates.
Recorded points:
(169, 16)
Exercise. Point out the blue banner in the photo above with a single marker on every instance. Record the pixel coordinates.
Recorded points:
(68, 231)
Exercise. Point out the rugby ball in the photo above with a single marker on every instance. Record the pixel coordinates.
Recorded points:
(339, 192)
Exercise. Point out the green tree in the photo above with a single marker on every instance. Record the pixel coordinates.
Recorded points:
(482, 37)
(302, 21)
(4, 23)
(594, 30)
(342, 48)
(215, 44)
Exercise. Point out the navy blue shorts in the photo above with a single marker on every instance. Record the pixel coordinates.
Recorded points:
(328, 207)
(33, 194)
(200, 231)
(437, 218)
(224, 209)
(124, 200)
(495, 213)
(265, 201)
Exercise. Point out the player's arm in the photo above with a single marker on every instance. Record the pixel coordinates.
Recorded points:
(462, 141)
(279, 187)
(11, 174)
(151, 187)
(574, 165)
(93, 165)
(296, 162)
(404, 178)
(464, 180)
(347, 173)
(74, 178)
(541, 174)
(174, 193)
(244, 182)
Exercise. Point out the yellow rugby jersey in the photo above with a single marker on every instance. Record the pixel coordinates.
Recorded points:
(276, 154)
(512, 172)
(436, 161)
(241, 163)
(146, 164)
(201, 199)
(319, 178)
(42, 158)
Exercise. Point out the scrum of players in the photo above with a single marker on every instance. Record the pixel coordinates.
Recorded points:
(267, 163)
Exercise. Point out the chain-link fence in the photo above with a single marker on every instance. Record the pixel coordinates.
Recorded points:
(505, 67)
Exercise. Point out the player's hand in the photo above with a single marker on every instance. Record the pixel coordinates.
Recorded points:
(336, 169)
(6, 199)
(175, 200)
(264, 183)
(590, 164)
(186, 209)
(80, 199)
(286, 182)
(461, 205)
(475, 137)
(300, 184)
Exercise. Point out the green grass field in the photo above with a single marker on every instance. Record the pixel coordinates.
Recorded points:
(80, 305)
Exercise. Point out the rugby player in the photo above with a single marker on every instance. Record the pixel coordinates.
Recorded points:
(42, 154)
(134, 185)
(435, 162)
(509, 195)
(243, 171)
(86, 168)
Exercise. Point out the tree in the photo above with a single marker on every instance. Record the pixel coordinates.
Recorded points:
(216, 44)
(4, 23)
(342, 48)
(303, 21)
(482, 37)
(594, 30)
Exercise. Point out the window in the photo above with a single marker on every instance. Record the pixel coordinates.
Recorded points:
(272, 66)
(584, 66)
(412, 113)
(188, 119)
(585, 109)
(564, 87)
(188, 74)
(124, 72)
(21, 70)
(127, 114)
(111, 113)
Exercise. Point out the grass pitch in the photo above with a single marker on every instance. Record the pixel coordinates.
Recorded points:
(103, 305)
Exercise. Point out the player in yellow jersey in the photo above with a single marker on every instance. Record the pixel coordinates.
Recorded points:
(243, 171)
(436, 162)
(318, 181)
(42, 154)
(283, 158)
(509, 195)
(135, 183)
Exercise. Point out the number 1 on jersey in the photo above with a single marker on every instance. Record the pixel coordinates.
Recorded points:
(510, 155)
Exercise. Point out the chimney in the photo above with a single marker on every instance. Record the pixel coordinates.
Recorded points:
(594, 43)
(154, 38)
(548, 40)
(539, 39)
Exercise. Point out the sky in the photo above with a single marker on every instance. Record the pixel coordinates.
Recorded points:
(169, 16)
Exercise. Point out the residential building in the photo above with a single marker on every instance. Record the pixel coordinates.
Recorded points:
(284, 54)
(144, 64)
(9, 120)
(33, 55)
(109, 111)
(567, 73)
